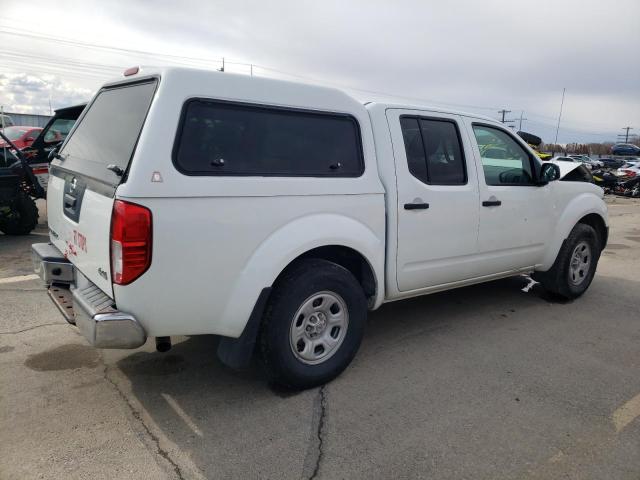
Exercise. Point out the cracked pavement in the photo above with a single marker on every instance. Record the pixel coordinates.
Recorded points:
(487, 382)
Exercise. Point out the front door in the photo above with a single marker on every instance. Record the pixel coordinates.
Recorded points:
(437, 199)
(516, 214)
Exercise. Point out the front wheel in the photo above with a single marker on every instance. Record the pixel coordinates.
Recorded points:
(313, 325)
(575, 265)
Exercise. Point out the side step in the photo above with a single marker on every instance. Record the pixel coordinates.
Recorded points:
(63, 299)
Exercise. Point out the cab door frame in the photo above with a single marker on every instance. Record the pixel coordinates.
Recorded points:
(436, 245)
(516, 220)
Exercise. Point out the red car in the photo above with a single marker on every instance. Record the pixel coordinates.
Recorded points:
(22, 137)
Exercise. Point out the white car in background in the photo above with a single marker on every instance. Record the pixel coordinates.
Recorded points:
(629, 169)
(588, 161)
(566, 164)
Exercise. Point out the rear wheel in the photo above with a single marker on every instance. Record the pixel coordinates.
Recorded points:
(575, 266)
(22, 218)
(313, 325)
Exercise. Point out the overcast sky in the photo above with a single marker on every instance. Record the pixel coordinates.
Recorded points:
(479, 56)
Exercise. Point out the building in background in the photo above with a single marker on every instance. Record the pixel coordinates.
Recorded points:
(28, 119)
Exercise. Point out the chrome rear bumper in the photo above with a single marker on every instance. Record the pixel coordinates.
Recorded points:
(83, 303)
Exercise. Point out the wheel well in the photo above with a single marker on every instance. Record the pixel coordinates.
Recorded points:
(348, 258)
(597, 223)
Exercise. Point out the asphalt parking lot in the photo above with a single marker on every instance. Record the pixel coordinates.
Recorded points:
(489, 381)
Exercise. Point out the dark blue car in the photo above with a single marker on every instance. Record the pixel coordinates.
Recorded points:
(625, 149)
(611, 162)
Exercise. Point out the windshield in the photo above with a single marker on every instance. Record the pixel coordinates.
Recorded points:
(108, 132)
(14, 133)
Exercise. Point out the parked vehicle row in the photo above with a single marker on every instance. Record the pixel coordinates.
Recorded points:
(275, 214)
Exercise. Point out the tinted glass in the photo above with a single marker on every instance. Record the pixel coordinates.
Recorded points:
(58, 130)
(434, 153)
(445, 163)
(229, 139)
(108, 132)
(504, 161)
(414, 148)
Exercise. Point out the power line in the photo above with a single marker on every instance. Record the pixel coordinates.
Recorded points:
(626, 135)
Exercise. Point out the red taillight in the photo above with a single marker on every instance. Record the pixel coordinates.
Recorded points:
(130, 241)
(629, 173)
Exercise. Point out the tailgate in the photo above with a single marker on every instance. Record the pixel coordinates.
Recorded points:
(92, 163)
(79, 222)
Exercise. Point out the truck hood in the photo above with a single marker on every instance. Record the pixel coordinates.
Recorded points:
(565, 167)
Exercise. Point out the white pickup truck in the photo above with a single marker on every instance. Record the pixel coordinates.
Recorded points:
(275, 214)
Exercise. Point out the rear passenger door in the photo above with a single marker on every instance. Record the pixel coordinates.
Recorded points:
(437, 199)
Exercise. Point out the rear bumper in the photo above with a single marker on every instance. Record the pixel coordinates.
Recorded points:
(82, 303)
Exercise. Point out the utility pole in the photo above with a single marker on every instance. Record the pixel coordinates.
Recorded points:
(503, 113)
(222, 69)
(560, 116)
(626, 136)
(521, 119)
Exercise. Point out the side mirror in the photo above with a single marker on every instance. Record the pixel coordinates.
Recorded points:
(549, 172)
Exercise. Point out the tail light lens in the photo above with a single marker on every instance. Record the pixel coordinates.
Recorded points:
(628, 173)
(131, 239)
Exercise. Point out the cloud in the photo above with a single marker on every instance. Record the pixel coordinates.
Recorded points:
(23, 93)
(476, 56)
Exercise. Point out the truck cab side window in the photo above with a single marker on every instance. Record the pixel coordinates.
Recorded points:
(504, 161)
(434, 151)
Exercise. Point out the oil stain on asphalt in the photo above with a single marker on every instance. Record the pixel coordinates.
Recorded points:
(65, 357)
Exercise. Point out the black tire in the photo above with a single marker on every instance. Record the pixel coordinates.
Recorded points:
(24, 216)
(299, 286)
(558, 279)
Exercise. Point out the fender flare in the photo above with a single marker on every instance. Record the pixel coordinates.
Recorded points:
(290, 241)
(578, 208)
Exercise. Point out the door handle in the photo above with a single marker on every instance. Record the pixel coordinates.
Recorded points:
(69, 201)
(416, 206)
(491, 203)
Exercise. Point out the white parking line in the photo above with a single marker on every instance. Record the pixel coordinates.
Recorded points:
(19, 278)
(627, 413)
(182, 414)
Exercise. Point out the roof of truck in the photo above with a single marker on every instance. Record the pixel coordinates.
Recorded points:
(297, 88)
(232, 85)
(428, 108)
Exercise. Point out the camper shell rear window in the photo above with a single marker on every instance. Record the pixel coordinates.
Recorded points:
(107, 133)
